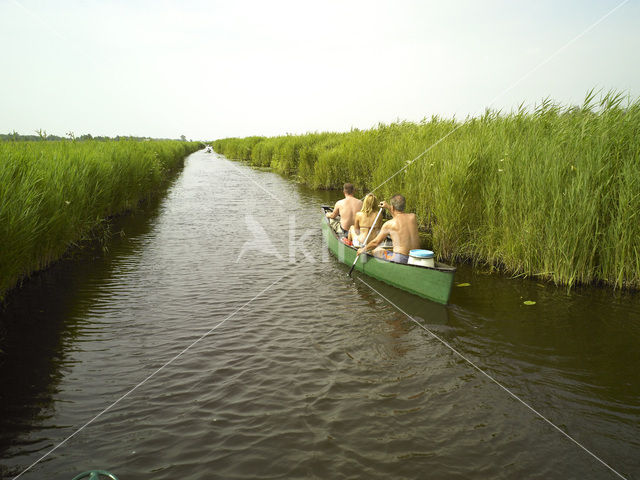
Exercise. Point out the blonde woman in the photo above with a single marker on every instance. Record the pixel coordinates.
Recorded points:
(364, 222)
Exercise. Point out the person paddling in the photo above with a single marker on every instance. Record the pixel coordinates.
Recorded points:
(364, 221)
(346, 209)
(403, 230)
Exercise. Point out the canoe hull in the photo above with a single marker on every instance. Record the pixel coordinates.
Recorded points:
(431, 283)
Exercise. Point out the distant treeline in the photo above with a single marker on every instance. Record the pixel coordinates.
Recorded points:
(54, 194)
(552, 192)
(44, 137)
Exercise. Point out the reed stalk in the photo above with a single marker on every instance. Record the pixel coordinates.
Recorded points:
(551, 192)
(53, 194)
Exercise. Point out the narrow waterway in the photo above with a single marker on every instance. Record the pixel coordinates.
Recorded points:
(294, 370)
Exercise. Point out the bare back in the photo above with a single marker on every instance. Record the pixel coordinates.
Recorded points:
(347, 208)
(403, 230)
(364, 222)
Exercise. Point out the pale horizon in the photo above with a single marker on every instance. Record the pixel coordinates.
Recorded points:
(211, 70)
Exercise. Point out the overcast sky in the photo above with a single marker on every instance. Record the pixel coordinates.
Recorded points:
(210, 69)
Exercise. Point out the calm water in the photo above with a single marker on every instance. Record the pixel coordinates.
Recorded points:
(307, 374)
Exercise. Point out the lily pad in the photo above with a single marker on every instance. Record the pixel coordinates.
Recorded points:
(463, 285)
(529, 302)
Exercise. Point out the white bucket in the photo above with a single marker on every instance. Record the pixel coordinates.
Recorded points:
(422, 257)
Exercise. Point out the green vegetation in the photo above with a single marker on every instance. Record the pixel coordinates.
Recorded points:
(552, 192)
(54, 193)
(43, 136)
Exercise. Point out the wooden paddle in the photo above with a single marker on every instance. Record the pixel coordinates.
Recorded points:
(366, 239)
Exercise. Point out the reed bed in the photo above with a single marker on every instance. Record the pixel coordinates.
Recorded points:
(551, 192)
(54, 194)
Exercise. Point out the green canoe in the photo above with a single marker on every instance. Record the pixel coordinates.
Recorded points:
(431, 283)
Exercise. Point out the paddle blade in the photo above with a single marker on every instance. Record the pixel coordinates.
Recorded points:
(353, 266)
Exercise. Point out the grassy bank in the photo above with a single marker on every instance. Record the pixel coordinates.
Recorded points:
(551, 192)
(53, 194)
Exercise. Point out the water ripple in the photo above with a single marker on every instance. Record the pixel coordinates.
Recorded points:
(317, 377)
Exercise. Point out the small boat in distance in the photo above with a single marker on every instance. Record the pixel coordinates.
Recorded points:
(433, 283)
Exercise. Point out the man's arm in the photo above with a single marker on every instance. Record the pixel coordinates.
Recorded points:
(336, 211)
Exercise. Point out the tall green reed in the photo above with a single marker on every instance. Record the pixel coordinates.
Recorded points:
(551, 192)
(52, 194)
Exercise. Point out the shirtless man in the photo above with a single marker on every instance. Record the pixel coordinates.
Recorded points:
(347, 209)
(403, 229)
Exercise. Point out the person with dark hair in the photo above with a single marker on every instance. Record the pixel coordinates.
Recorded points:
(403, 230)
(346, 209)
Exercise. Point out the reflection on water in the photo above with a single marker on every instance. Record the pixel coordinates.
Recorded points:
(41, 324)
(317, 376)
